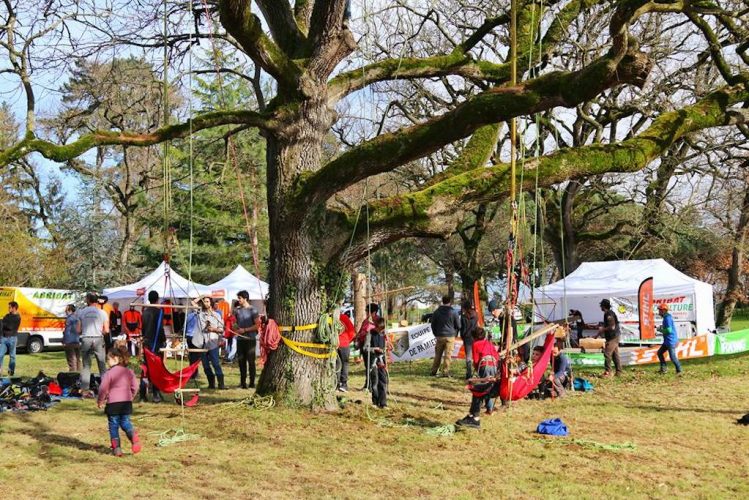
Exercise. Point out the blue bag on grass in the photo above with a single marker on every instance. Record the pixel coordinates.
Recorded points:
(581, 384)
(552, 427)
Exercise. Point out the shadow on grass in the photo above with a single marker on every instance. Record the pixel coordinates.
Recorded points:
(431, 400)
(46, 438)
(658, 408)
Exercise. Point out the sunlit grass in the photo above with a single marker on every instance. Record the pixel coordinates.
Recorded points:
(686, 443)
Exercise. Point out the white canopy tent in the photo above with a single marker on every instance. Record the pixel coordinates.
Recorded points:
(241, 279)
(690, 300)
(176, 287)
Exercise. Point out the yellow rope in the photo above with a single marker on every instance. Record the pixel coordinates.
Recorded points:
(297, 347)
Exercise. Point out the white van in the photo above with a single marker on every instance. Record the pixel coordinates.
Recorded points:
(42, 313)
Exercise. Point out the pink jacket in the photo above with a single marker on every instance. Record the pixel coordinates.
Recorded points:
(118, 385)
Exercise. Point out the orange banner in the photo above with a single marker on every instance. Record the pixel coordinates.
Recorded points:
(696, 347)
(645, 308)
(477, 303)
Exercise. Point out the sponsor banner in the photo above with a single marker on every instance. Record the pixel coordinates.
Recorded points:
(645, 309)
(697, 347)
(732, 343)
(681, 307)
(416, 342)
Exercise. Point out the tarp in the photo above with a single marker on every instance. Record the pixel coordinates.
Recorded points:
(177, 287)
(691, 300)
(417, 342)
(241, 279)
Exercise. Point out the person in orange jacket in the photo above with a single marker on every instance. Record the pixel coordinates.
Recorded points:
(132, 326)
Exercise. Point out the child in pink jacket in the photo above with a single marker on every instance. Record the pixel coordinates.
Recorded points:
(117, 390)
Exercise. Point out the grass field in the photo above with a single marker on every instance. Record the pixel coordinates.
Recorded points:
(683, 432)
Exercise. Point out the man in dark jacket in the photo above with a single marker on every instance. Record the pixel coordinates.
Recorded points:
(611, 332)
(469, 321)
(9, 326)
(445, 326)
(153, 339)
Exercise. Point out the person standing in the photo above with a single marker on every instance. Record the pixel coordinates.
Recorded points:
(153, 339)
(94, 328)
(210, 328)
(344, 351)
(445, 326)
(611, 332)
(118, 388)
(668, 330)
(71, 339)
(115, 322)
(485, 360)
(578, 323)
(379, 376)
(469, 321)
(132, 325)
(362, 341)
(10, 324)
(246, 326)
(102, 302)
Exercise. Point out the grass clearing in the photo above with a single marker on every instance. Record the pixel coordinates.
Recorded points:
(683, 432)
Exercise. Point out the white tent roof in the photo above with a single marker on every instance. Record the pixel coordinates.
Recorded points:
(593, 281)
(241, 279)
(179, 287)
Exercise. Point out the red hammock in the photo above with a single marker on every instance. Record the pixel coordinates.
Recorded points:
(522, 385)
(162, 379)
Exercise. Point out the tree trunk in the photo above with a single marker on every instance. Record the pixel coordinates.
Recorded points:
(360, 298)
(734, 290)
(297, 296)
(450, 281)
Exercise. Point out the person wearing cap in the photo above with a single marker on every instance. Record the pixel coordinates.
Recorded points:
(611, 332)
(668, 329)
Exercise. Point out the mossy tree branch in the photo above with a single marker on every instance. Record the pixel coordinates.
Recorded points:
(388, 151)
(63, 152)
(237, 17)
(436, 210)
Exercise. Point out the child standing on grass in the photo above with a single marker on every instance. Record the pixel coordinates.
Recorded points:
(117, 390)
(379, 374)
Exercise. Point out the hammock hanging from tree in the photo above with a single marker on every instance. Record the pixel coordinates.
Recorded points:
(522, 385)
(163, 379)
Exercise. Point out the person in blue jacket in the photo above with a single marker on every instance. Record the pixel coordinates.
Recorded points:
(668, 330)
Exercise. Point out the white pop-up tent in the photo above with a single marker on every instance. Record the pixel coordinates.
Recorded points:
(241, 279)
(690, 300)
(176, 286)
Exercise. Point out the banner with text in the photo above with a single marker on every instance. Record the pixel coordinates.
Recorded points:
(417, 342)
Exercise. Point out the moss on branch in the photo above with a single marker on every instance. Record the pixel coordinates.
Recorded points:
(434, 209)
(63, 152)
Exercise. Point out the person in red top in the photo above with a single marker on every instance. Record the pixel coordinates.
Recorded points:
(484, 390)
(344, 350)
(132, 325)
(167, 320)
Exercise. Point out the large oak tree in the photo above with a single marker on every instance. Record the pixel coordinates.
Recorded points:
(302, 47)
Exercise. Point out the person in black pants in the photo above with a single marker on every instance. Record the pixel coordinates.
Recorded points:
(246, 326)
(379, 377)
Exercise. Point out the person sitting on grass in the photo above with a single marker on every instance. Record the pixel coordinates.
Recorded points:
(379, 374)
(117, 390)
(560, 372)
(485, 388)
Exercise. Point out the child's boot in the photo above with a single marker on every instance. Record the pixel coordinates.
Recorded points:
(116, 450)
(135, 440)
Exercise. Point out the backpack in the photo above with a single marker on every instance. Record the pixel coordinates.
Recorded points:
(580, 384)
(552, 427)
